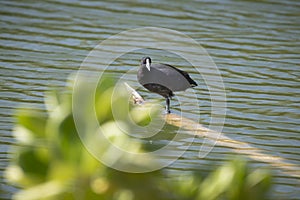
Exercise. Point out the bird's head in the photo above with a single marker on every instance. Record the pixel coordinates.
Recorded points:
(146, 61)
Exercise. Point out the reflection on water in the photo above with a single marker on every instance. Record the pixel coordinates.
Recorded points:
(254, 44)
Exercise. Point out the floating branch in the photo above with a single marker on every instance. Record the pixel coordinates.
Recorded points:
(237, 146)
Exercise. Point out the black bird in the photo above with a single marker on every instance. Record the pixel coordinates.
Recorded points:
(163, 79)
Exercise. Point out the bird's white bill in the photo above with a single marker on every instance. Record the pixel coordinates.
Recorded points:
(148, 64)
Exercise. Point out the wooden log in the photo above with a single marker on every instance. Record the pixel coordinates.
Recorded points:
(222, 140)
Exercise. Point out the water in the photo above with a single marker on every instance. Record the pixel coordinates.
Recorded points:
(255, 45)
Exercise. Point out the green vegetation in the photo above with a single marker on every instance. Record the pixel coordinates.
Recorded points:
(50, 161)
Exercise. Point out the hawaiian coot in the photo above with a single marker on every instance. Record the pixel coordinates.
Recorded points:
(163, 79)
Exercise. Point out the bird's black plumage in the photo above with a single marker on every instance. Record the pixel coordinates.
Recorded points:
(163, 79)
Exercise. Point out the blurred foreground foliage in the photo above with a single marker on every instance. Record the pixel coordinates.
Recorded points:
(50, 161)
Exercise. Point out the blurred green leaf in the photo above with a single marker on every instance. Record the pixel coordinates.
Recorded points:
(33, 164)
(231, 181)
(31, 124)
(51, 161)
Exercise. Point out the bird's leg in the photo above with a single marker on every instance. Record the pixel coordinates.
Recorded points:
(168, 105)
